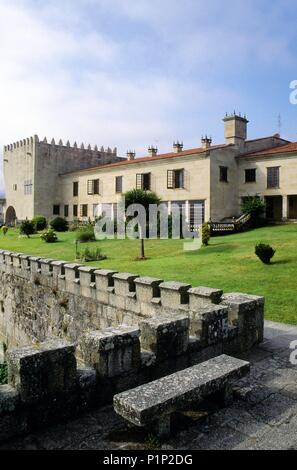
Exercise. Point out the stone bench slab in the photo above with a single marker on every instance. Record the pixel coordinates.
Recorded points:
(148, 403)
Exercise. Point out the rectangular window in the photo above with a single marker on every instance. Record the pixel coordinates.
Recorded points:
(175, 179)
(14, 187)
(66, 211)
(250, 175)
(119, 184)
(224, 174)
(196, 213)
(84, 210)
(143, 181)
(75, 212)
(273, 177)
(56, 209)
(93, 186)
(75, 189)
(28, 186)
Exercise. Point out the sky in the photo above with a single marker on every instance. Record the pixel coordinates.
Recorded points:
(134, 73)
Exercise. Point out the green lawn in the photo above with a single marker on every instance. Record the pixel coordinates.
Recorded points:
(228, 263)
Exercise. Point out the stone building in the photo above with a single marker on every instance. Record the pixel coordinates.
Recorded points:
(52, 179)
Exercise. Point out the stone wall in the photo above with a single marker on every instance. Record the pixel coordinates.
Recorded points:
(40, 298)
(123, 330)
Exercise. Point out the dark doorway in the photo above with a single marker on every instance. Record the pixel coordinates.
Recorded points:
(10, 216)
(274, 207)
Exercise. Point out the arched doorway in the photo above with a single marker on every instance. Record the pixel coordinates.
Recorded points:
(10, 216)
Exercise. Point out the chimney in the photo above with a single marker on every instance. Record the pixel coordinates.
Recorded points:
(131, 154)
(235, 129)
(206, 142)
(178, 147)
(152, 151)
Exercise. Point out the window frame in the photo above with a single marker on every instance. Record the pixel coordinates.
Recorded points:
(81, 210)
(224, 179)
(254, 170)
(119, 178)
(277, 179)
(75, 188)
(58, 211)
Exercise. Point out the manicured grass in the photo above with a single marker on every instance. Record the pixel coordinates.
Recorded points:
(228, 263)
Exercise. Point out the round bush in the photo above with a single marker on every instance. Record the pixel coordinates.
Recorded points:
(59, 224)
(49, 236)
(4, 229)
(39, 223)
(85, 235)
(27, 228)
(264, 252)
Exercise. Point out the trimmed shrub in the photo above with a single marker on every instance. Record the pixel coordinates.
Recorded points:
(88, 255)
(85, 234)
(264, 252)
(4, 229)
(59, 224)
(205, 229)
(27, 228)
(49, 236)
(39, 223)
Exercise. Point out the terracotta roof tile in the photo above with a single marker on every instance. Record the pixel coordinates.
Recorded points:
(150, 159)
(287, 148)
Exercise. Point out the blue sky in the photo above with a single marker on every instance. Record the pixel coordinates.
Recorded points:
(130, 73)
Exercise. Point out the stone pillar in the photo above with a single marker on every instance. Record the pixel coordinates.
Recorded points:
(285, 213)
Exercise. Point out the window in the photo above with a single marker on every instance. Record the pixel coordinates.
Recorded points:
(66, 211)
(224, 174)
(75, 210)
(250, 175)
(119, 184)
(273, 177)
(84, 210)
(14, 187)
(143, 181)
(175, 179)
(93, 186)
(75, 189)
(196, 213)
(56, 209)
(28, 187)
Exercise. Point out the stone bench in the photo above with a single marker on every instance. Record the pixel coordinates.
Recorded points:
(151, 404)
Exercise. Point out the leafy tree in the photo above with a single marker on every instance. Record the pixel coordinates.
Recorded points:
(253, 205)
(27, 228)
(145, 198)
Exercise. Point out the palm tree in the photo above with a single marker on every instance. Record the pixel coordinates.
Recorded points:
(145, 198)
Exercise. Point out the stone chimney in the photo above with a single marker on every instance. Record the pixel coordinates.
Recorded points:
(131, 154)
(178, 147)
(152, 151)
(206, 142)
(235, 129)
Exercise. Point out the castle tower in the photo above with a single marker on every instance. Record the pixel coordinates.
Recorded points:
(235, 129)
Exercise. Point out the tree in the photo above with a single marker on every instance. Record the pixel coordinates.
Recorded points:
(144, 198)
(255, 206)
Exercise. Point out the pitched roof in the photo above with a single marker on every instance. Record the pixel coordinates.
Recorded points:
(287, 148)
(163, 156)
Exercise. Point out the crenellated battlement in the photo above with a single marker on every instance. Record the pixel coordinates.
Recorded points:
(113, 298)
(28, 142)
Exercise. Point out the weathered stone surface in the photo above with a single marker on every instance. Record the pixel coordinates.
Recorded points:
(209, 324)
(112, 351)
(165, 336)
(42, 371)
(203, 296)
(147, 288)
(148, 403)
(246, 312)
(9, 399)
(174, 294)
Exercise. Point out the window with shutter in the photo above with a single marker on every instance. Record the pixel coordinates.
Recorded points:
(139, 180)
(96, 186)
(170, 179)
(90, 186)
